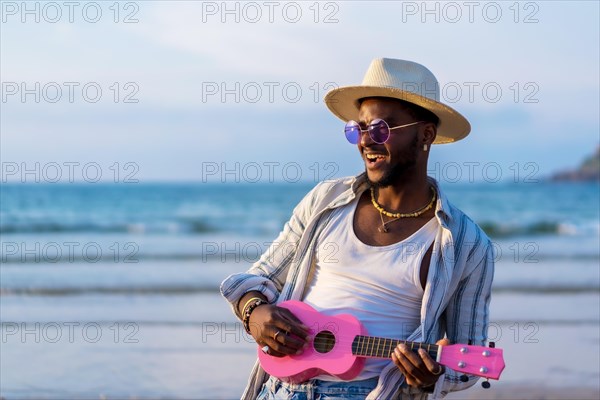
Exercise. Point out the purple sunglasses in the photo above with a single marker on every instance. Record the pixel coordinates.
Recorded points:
(379, 130)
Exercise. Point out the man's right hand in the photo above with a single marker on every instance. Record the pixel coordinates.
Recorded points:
(279, 329)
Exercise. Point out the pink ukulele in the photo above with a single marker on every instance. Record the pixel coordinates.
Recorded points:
(340, 346)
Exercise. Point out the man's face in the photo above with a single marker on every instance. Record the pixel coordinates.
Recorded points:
(400, 152)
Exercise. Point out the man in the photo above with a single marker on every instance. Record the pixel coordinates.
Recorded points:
(407, 263)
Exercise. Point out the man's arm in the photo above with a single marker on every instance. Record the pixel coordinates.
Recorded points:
(467, 315)
(270, 325)
(466, 320)
(267, 276)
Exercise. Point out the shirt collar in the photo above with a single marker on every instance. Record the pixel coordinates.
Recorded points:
(442, 207)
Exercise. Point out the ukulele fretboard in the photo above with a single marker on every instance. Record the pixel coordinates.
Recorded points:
(371, 346)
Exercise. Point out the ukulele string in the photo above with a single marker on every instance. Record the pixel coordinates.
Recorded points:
(377, 342)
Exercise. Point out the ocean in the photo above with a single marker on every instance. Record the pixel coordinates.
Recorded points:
(112, 290)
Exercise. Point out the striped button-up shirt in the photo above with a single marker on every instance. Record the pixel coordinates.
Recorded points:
(455, 300)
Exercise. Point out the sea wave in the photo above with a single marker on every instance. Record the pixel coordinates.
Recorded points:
(108, 290)
(196, 226)
(185, 289)
(169, 227)
(540, 228)
(245, 254)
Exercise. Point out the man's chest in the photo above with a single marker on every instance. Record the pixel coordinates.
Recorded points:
(340, 252)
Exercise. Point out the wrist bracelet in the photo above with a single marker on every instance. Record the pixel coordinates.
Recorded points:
(248, 302)
(248, 310)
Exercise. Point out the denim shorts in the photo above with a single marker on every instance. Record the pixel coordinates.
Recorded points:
(315, 389)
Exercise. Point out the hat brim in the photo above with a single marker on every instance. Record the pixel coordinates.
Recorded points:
(343, 103)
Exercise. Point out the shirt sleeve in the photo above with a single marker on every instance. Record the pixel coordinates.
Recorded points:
(269, 273)
(467, 316)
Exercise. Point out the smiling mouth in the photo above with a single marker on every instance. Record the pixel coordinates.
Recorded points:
(374, 158)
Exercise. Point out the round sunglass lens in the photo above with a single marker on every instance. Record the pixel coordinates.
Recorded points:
(379, 131)
(352, 131)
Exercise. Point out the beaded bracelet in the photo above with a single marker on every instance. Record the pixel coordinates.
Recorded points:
(248, 302)
(248, 310)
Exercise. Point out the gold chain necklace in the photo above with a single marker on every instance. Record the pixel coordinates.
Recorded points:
(397, 216)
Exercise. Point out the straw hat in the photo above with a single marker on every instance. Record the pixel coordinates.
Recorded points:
(404, 80)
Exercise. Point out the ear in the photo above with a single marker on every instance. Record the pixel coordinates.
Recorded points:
(429, 133)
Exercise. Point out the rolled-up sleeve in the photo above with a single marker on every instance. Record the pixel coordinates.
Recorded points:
(269, 273)
(467, 315)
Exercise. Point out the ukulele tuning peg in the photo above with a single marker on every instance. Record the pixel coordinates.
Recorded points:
(464, 378)
(492, 344)
(485, 384)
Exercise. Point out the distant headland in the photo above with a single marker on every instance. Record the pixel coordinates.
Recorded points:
(588, 171)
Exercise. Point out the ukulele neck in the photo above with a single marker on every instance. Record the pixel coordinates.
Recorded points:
(371, 346)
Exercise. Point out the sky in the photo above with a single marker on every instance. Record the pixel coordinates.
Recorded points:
(232, 92)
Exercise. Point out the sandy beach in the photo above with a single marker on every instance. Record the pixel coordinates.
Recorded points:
(211, 358)
(159, 329)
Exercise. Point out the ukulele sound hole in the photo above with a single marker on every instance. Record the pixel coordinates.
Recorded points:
(324, 342)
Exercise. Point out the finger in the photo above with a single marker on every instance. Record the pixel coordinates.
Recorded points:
(296, 326)
(288, 340)
(432, 366)
(288, 337)
(281, 342)
(280, 348)
(408, 367)
(273, 352)
(407, 376)
(398, 363)
(443, 342)
(413, 357)
(292, 332)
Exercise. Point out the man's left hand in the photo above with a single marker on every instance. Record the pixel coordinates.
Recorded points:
(419, 368)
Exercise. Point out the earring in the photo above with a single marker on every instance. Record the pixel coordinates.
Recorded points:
(425, 147)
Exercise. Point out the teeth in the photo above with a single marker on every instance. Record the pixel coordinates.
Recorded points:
(374, 156)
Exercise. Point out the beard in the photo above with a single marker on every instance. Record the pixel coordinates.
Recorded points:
(399, 172)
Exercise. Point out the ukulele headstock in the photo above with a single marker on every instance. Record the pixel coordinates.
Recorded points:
(487, 362)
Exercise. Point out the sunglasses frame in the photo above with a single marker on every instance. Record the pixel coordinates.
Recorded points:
(371, 127)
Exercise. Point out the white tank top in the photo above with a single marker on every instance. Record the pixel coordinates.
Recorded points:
(379, 285)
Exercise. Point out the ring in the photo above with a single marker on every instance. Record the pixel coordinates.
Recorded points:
(275, 337)
(265, 349)
(439, 371)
